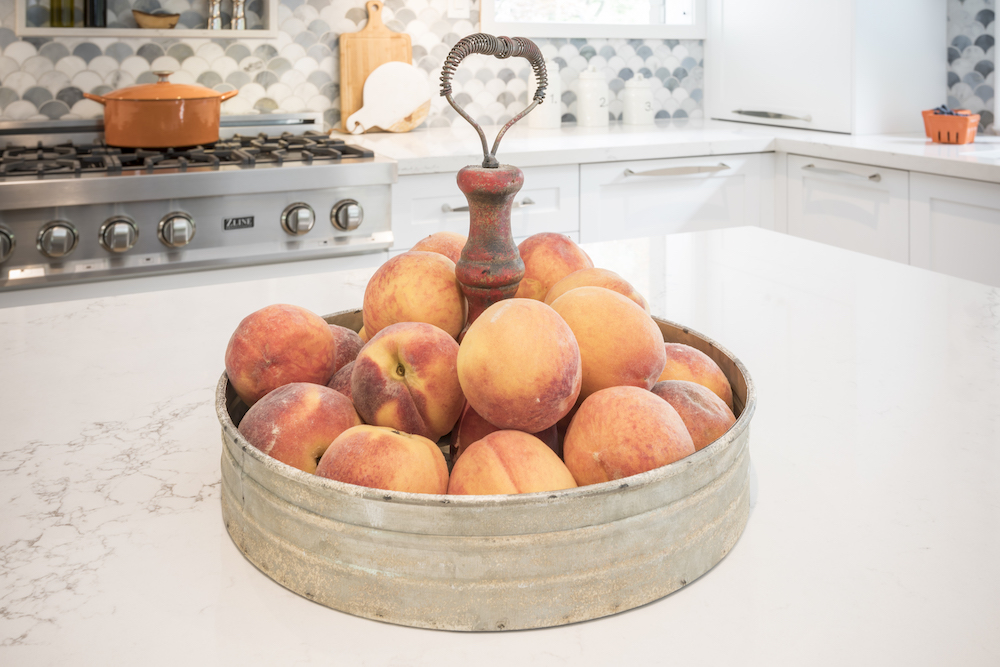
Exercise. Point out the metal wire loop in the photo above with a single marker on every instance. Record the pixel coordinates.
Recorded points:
(501, 47)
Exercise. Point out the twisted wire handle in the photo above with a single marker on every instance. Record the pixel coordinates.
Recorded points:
(501, 47)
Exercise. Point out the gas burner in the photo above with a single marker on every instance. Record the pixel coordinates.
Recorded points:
(246, 152)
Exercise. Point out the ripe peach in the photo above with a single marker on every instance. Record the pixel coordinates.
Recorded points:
(384, 458)
(519, 365)
(472, 427)
(623, 431)
(620, 343)
(596, 278)
(349, 343)
(296, 422)
(448, 244)
(508, 462)
(415, 287)
(548, 258)
(706, 416)
(405, 378)
(277, 345)
(363, 335)
(688, 363)
(341, 380)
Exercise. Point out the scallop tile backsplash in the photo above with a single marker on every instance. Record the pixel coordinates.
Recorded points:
(43, 78)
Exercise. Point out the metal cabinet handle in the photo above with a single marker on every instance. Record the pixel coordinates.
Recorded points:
(680, 171)
(527, 201)
(876, 177)
(773, 115)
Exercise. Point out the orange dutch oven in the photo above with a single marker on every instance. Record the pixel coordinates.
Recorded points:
(161, 114)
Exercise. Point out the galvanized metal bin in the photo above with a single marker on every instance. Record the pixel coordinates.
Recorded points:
(491, 562)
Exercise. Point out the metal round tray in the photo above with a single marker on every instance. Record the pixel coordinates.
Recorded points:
(491, 562)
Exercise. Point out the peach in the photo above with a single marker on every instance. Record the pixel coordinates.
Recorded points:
(277, 345)
(620, 343)
(296, 422)
(341, 380)
(623, 431)
(519, 365)
(548, 258)
(349, 343)
(448, 244)
(688, 363)
(472, 427)
(706, 416)
(508, 462)
(363, 335)
(405, 378)
(596, 278)
(415, 287)
(384, 458)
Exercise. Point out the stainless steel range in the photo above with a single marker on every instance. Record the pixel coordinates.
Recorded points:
(73, 209)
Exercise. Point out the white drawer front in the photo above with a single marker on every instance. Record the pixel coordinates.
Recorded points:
(651, 197)
(424, 204)
(848, 205)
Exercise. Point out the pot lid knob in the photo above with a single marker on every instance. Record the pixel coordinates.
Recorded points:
(163, 75)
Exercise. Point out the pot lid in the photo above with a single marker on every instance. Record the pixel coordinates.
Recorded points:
(163, 90)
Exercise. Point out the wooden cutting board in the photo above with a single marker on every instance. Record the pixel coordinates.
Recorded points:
(363, 51)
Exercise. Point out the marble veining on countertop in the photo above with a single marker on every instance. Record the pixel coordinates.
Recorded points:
(872, 538)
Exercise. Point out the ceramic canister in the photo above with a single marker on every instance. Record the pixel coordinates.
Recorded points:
(638, 101)
(592, 99)
(548, 114)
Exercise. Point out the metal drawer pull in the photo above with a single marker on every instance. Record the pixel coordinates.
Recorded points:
(527, 201)
(876, 177)
(774, 116)
(679, 171)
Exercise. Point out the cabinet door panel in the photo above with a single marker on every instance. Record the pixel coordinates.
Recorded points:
(651, 197)
(852, 206)
(955, 227)
(789, 57)
(548, 202)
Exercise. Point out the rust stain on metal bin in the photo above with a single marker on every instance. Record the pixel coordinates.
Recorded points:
(491, 562)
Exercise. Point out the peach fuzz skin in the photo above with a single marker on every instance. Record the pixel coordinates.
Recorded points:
(296, 422)
(415, 287)
(405, 378)
(277, 345)
(471, 427)
(548, 258)
(384, 458)
(620, 344)
(706, 416)
(349, 343)
(507, 462)
(448, 244)
(341, 380)
(684, 362)
(596, 278)
(519, 365)
(623, 431)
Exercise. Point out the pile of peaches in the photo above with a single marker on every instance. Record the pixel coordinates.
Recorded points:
(569, 383)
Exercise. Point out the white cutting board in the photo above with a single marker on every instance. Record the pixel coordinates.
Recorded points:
(396, 98)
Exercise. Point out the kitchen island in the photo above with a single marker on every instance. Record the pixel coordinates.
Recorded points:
(874, 530)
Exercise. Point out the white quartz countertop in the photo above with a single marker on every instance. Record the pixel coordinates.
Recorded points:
(874, 532)
(434, 150)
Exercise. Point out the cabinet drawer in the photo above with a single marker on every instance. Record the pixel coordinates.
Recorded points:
(424, 204)
(652, 197)
(852, 206)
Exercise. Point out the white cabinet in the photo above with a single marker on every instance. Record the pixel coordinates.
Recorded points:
(853, 66)
(427, 203)
(651, 197)
(955, 227)
(852, 206)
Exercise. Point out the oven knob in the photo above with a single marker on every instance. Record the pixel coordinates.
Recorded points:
(119, 233)
(7, 243)
(57, 239)
(298, 218)
(176, 230)
(347, 214)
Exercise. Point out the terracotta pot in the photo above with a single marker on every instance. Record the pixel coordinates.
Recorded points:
(161, 114)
